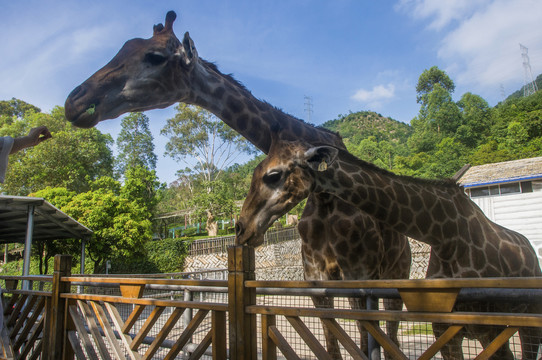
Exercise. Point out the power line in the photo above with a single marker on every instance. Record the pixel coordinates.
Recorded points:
(529, 86)
(308, 107)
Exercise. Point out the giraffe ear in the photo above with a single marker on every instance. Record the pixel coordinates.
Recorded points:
(189, 53)
(319, 158)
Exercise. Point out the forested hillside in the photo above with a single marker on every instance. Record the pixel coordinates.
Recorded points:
(445, 135)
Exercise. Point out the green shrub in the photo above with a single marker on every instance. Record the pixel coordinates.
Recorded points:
(167, 255)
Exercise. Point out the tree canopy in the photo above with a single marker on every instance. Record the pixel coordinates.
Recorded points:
(135, 143)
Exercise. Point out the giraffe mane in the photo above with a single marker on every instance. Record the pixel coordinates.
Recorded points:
(445, 183)
(239, 85)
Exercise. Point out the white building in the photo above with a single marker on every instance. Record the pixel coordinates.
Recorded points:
(510, 194)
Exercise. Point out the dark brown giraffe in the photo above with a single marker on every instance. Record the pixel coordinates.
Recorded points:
(157, 72)
(465, 243)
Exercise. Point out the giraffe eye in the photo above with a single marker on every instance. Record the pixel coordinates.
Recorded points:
(272, 177)
(155, 59)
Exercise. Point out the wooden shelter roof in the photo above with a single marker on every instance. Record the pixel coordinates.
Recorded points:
(49, 222)
(508, 171)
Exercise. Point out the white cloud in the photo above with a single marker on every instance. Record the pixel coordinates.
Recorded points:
(480, 45)
(376, 94)
(441, 12)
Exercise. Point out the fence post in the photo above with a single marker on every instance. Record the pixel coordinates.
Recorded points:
(55, 319)
(243, 333)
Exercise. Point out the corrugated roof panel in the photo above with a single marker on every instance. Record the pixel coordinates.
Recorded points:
(49, 222)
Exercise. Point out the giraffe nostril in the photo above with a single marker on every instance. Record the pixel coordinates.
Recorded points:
(77, 92)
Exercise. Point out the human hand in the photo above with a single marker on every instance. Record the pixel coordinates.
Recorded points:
(37, 135)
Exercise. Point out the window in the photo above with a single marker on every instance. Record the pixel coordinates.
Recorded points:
(502, 189)
(479, 191)
(510, 188)
(526, 186)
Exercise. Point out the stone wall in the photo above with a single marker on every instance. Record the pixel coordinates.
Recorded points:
(282, 261)
(279, 261)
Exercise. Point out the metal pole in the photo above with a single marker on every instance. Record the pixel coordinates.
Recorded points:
(28, 245)
(374, 347)
(83, 244)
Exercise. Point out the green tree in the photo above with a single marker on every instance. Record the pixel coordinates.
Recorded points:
(197, 134)
(213, 202)
(142, 187)
(13, 109)
(135, 143)
(46, 249)
(429, 79)
(476, 120)
(121, 227)
(450, 156)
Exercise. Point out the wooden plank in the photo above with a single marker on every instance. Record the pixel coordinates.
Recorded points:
(23, 316)
(11, 304)
(429, 300)
(31, 340)
(154, 302)
(170, 323)
(511, 283)
(67, 325)
(241, 265)
(384, 341)
(117, 321)
(440, 342)
(58, 312)
(132, 291)
(16, 311)
(37, 351)
(308, 337)
(143, 281)
(29, 324)
(232, 309)
(82, 332)
(218, 329)
(108, 330)
(349, 344)
(282, 344)
(76, 345)
(186, 334)
(147, 326)
(94, 331)
(203, 345)
(478, 318)
(269, 349)
(134, 316)
(499, 341)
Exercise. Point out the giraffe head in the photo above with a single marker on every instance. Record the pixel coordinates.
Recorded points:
(145, 74)
(284, 178)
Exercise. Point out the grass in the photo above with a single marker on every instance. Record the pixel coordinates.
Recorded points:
(419, 329)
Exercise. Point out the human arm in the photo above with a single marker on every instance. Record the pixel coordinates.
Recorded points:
(34, 137)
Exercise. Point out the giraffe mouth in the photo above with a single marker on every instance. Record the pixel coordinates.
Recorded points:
(245, 236)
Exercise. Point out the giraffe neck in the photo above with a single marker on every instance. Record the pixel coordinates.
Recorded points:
(429, 211)
(252, 118)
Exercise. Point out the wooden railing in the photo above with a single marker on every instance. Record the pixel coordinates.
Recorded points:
(77, 319)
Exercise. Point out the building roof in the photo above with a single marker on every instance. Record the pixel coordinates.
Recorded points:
(508, 171)
(49, 222)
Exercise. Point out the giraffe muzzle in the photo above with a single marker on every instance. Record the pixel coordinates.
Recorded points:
(239, 230)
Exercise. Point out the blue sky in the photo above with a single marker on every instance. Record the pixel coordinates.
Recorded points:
(348, 55)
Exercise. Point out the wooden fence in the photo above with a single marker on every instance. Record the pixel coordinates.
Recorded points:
(76, 317)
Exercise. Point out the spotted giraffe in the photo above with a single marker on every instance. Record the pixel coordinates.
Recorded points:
(465, 243)
(338, 240)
